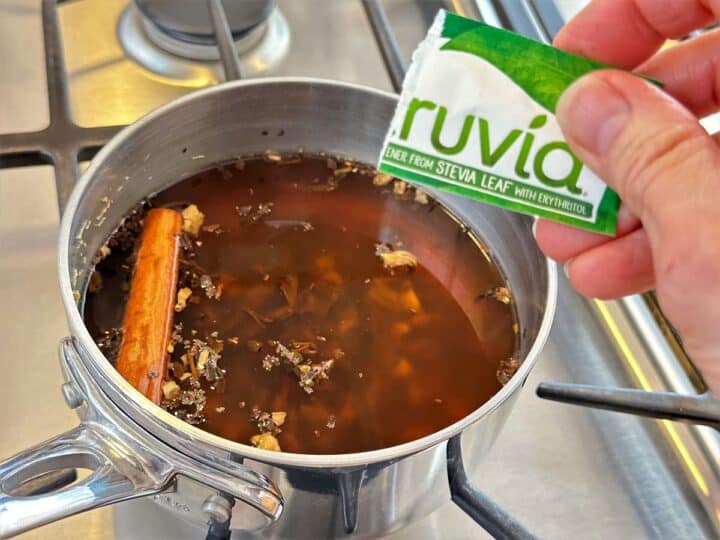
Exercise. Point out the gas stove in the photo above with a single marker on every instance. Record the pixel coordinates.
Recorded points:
(564, 472)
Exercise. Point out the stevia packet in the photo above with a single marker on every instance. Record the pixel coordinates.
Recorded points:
(476, 118)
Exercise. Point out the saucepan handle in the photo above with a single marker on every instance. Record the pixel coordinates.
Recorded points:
(124, 461)
(113, 479)
(696, 409)
(476, 504)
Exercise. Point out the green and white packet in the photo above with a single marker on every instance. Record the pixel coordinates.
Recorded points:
(476, 118)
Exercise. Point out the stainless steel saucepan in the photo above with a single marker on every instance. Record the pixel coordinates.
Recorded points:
(136, 449)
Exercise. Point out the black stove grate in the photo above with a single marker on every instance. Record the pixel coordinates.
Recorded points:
(62, 142)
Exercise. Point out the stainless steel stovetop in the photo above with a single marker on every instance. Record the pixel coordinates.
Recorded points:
(565, 472)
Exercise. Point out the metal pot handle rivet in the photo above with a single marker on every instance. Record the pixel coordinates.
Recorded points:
(73, 397)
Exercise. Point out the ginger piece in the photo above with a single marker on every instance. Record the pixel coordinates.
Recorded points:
(397, 259)
(148, 323)
(421, 197)
(266, 441)
(381, 179)
(170, 390)
(192, 220)
(278, 417)
(182, 298)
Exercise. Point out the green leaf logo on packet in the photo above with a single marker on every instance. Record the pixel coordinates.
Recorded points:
(476, 118)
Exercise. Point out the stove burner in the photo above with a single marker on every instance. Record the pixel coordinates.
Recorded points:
(260, 49)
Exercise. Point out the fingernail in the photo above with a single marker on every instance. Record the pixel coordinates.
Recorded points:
(592, 113)
(534, 228)
(566, 269)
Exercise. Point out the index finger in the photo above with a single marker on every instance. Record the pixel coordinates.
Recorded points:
(625, 33)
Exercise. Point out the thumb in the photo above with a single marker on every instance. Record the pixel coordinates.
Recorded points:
(666, 169)
(643, 143)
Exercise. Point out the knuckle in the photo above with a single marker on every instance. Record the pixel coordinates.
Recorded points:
(647, 162)
(687, 270)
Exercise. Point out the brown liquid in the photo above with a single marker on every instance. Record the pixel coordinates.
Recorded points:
(420, 350)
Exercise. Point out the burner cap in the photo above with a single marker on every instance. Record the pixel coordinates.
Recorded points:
(260, 48)
(189, 20)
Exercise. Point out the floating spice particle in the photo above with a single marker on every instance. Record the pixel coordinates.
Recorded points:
(182, 298)
(304, 347)
(421, 197)
(381, 179)
(207, 285)
(316, 432)
(242, 404)
(271, 156)
(109, 342)
(96, 282)
(192, 220)
(263, 420)
(153, 374)
(360, 375)
(331, 422)
(516, 328)
(170, 390)
(270, 361)
(213, 228)
(102, 253)
(266, 441)
(278, 417)
(507, 368)
(252, 344)
(292, 357)
(395, 259)
(219, 409)
(399, 187)
(342, 171)
(244, 211)
(234, 340)
(250, 214)
(437, 400)
(321, 338)
(261, 320)
(289, 288)
(501, 294)
(366, 281)
(239, 164)
(202, 359)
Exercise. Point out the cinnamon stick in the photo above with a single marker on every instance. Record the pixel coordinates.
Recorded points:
(148, 322)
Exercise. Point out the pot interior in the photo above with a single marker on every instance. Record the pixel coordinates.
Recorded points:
(240, 119)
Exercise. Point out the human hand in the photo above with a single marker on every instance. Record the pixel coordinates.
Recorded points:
(647, 144)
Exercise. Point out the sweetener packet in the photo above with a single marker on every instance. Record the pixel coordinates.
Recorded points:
(476, 118)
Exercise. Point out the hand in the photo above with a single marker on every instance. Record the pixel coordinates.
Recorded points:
(647, 144)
